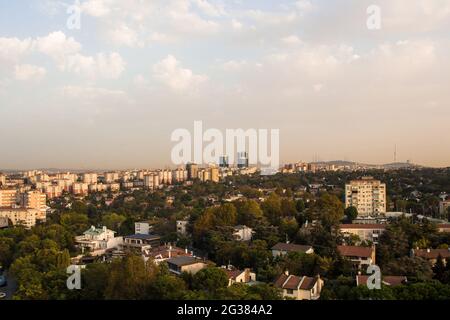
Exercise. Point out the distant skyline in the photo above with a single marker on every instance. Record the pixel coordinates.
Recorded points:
(109, 95)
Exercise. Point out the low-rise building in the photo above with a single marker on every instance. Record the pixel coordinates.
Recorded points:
(98, 239)
(182, 227)
(432, 255)
(359, 256)
(392, 281)
(242, 233)
(445, 227)
(140, 242)
(365, 232)
(238, 276)
(187, 264)
(444, 206)
(281, 249)
(164, 253)
(299, 288)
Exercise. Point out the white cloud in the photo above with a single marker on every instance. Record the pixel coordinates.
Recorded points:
(57, 46)
(102, 65)
(98, 97)
(234, 65)
(236, 25)
(170, 72)
(124, 35)
(97, 8)
(12, 49)
(291, 40)
(25, 72)
(210, 9)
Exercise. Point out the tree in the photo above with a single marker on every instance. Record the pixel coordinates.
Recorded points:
(248, 212)
(272, 208)
(210, 279)
(329, 210)
(439, 269)
(351, 213)
(113, 221)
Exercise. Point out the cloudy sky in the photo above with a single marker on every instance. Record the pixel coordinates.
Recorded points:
(109, 95)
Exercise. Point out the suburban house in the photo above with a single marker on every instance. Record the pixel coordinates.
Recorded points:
(140, 242)
(299, 288)
(188, 264)
(366, 232)
(98, 239)
(239, 276)
(445, 227)
(360, 256)
(281, 249)
(242, 233)
(432, 254)
(163, 253)
(361, 280)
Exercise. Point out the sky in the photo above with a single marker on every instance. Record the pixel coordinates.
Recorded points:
(110, 93)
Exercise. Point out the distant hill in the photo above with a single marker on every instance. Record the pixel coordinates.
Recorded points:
(395, 165)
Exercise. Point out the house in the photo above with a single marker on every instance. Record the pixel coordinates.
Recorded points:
(359, 256)
(181, 264)
(242, 233)
(432, 254)
(281, 249)
(365, 232)
(140, 242)
(239, 276)
(392, 281)
(98, 240)
(299, 288)
(166, 252)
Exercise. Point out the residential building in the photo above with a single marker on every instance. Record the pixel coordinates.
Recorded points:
(432, 254)
(113, 187)
(242, 233)
(8, 197)
(299, 288)
(392, 281)
(239, 276)
(20, 216)
(361, 257)
(242, 160)
(35, 200)
(111, 177)
(2, 180)
(367, 195)
(151, 181)
(445, 227)
(187, 264)
(224, 162)
(164, 253)
(281, 249)
(365, 232)
(81, 189)
(140, 242)
(144, 227)
(192, 170)
(98, 239)
(52, 191)
(215, 175)
(90, 178)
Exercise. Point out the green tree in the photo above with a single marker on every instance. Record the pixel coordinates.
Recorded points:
(351, 213)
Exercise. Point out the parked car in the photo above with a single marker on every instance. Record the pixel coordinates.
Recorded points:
(3, 281)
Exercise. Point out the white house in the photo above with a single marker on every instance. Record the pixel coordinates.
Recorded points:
(299, 288)
(242, 233)
(98, 239)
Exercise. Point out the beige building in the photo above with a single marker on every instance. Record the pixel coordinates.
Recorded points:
(90, 178)
(80, 188)
(367, 195)
(299, 288)
(20, 216)
(35, 200)
(361, 257)
(111, 177)
(215, 175)
(187, 264)
(2, 180)
(52, 191)
(365, 232)
(8, 197)
(151, 181)
(444, 207)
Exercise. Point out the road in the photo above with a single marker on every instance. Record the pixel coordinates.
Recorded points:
(10, 288)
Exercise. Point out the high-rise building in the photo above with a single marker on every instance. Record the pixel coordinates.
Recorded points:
(90, 178)
(192, 170)
(215, 175)
(367, 195)
(151, 181)
(8, 197)
(111, 177)
(20, 216)
(2, 180)
(35, 200)
(242, 159)
(224, 162)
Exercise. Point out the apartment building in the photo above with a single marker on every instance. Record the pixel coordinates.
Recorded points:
(111, 177)
(151, 181)
(80, 188)
(367, 195)
(365, 232)
(35, 200)
(8, 197)
(90, 178)
(2, 180)
(20, 216)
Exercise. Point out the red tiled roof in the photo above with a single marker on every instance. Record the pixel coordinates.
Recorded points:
(354, 251)
(308, 283)
(232, 274)
(294, 282)
(361, 280)
(432, 253)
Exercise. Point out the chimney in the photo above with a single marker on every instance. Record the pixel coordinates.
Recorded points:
(428, 250)
(186, 250)
(286, 272)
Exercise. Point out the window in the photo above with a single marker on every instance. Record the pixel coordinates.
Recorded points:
(289, 291)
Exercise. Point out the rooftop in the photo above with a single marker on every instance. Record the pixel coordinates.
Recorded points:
(183, 261)
(363, 226)
(143, 236)
(290, 247)
(355, 251)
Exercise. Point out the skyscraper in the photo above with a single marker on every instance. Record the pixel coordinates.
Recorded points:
(242, 159)
(224, 162)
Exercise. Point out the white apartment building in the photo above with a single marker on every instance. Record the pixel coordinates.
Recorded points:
(367, 195)
(111, 177)
(80, 188)
(151, 181)
(20, 216)
(52, 191)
